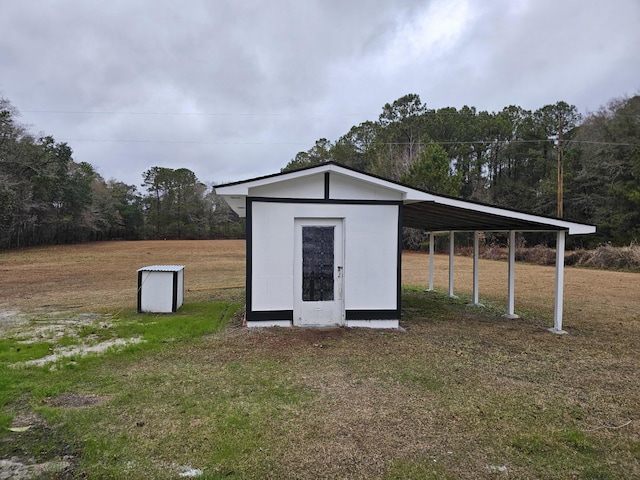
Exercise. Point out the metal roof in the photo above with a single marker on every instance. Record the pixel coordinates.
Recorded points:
(435, 217)
(161, 268)
(458, 215)
(421, 209)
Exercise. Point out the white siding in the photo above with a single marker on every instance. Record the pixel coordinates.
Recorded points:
(371, 258)
(371, 253)
(272, 256)
(156, 288)
(347, 188)
(303, 187)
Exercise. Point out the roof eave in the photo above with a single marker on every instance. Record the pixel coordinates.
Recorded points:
(495, 217)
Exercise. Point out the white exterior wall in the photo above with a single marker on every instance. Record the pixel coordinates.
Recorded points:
(304, 187)
(180, 293)
(156, 290)
(370, 251)
(371, 258)
(347, 188)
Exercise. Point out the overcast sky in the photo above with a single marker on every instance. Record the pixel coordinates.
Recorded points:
(233, 89)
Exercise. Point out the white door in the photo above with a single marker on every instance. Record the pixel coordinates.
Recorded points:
(319, 272)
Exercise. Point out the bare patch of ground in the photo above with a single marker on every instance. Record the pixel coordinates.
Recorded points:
(46, 325)
(16, 469)
(54, 326)
(58, 459)
(81, 351)
(55, 459)
(10, 317)
(76, 400)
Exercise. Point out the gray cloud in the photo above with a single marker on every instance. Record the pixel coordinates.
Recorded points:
(233, 89)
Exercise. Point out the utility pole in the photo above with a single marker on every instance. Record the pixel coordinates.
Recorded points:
(560, 168)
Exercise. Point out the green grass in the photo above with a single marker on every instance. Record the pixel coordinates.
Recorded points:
(178, 413)
(417, 470)
(461, 393)
(191, 321)
(548, 452)
(26, 388)
(13, 351)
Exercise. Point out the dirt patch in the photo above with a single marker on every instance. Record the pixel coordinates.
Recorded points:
(10, 317)
(37, 450)
(81, 351)
(278, 339)
(46, 325)
(17, 469)
(75, 400)
(52, 327)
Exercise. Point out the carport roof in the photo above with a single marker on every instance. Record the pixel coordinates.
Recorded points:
(421, 209)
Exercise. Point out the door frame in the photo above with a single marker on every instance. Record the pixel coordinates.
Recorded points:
(320, 313)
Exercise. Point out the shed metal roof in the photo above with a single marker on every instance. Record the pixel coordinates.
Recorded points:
(421, 209)
(161, 268)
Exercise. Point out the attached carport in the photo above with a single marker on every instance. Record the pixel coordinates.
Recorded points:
(330, 188)
(444, 215)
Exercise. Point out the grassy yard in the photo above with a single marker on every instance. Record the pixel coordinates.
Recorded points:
(459, 392)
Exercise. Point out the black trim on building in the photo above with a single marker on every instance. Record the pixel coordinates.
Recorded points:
(321, 200)
(265, 315)
(174, 301)
(249, 257)
(372, 314)
(139, 291)
(326, 186)
(399, 260)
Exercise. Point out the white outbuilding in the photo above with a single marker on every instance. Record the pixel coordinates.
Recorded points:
(160, 288)
(324, 244)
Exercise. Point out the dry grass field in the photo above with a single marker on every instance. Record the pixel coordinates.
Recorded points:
(102, 277)
(607, 299)
(459, 393)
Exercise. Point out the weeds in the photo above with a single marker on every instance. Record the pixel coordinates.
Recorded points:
(604, 257)
(607, 257)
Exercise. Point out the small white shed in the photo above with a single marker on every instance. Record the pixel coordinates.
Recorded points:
(160, 288)
(324, 243)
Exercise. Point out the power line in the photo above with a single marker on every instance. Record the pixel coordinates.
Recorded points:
(456, 142)
(432, 112)
(186, 142)
(195, 114)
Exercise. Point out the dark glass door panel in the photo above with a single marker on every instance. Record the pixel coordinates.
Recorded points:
(317, 264)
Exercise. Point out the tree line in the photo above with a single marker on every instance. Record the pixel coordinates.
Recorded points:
(511, 158)
(48, 198)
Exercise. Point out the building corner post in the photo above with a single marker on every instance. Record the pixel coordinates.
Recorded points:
(431, 259)
(476, 247)
(559, 297)
(452, 251)
(512, 273)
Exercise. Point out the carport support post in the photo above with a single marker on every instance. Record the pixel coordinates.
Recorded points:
(452, 251)
(512, 272)
(557, 317)
(431, 257)
(476, 247)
